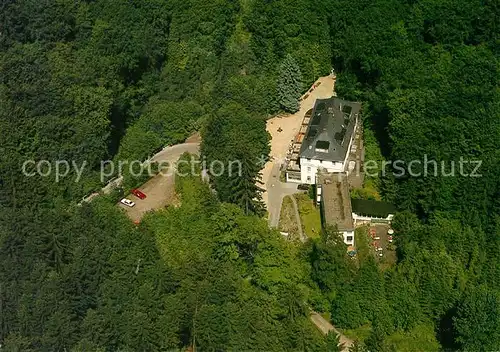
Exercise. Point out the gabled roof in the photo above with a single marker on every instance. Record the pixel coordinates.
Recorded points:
(330, 129)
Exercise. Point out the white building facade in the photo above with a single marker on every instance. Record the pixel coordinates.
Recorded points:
(309, 167)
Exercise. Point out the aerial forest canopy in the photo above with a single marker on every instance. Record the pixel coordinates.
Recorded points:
(98, 80)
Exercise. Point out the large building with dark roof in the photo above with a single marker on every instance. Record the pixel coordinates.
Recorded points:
(326, 142)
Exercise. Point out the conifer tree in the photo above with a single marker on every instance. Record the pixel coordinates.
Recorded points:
(244, 177)
(477, 322)
(289, 85)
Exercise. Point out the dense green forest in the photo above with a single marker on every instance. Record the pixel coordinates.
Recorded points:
(89, 81)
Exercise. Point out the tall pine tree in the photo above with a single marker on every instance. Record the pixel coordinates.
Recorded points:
(289, 84)
(244, 179)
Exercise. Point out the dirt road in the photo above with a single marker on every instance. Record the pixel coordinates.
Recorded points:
(325, 327)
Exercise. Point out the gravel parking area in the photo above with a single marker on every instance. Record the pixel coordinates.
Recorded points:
(160, 192)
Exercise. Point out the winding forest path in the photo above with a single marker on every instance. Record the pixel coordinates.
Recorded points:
(325, 327)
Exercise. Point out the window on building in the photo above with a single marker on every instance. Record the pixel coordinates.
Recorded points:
(308, 178)
(349, 238)
(322, 146)
(308, 169)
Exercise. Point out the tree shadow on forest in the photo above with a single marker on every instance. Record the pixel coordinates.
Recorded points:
(380, 126)
(118, 127)
(445, 332)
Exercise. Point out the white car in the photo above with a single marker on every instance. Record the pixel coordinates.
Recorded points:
(127, 202)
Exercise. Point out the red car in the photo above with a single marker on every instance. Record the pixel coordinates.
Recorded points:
(138, 194)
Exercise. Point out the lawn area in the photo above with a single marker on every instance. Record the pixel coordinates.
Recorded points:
(420, 338)
(371, 186)
(362, 241)
(309, 215)
(359, 334)
(287, 218)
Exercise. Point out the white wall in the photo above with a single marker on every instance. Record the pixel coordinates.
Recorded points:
(348, 233)
(353, 135)
(309, 168)
(359, 218)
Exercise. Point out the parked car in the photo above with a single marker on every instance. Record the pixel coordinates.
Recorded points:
(127, 202)
(138, 194)
(389, 238)
(303, 187)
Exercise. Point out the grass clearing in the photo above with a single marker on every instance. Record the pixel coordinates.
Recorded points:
(359, 334)
(371, 186)
(420, 338)
(362, 241)
(287, 218)
(309, 215)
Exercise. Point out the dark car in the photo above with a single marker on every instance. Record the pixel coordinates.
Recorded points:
(303, 186)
